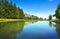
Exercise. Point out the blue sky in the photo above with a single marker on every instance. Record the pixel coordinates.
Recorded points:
(40, 8)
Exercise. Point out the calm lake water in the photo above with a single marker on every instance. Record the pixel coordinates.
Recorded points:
(29, 30)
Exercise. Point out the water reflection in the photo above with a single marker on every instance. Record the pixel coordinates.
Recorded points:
(36, 30)
(50, 24)
(30, 22)
(57, 25)
(8, 30)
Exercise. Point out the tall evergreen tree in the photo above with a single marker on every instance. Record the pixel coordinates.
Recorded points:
(50, 17)
(9, 10)
(57, 12)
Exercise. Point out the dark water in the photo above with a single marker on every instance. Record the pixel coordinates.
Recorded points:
(29, 30)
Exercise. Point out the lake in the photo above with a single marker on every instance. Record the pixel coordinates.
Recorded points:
(29, 30)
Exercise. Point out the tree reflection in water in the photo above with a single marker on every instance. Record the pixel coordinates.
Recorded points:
(50, 24)
(57, 25)
(8, 30)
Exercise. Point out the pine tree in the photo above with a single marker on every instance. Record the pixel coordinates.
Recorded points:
(50, 17)
(10, 11)
(57, 12)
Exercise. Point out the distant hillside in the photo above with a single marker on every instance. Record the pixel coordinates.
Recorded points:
(28, 15)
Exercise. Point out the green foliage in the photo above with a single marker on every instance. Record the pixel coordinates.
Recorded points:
(50, 17)
(10, 11)
(31, 17)
(34, 17)
(41, 18)
(57, 12)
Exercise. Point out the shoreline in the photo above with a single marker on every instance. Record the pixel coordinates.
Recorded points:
(9, 20)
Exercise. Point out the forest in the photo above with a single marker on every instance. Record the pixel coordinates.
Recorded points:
(10, 11)
(56, 15)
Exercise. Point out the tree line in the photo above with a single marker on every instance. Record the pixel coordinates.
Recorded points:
(10, 11)
(57, 13)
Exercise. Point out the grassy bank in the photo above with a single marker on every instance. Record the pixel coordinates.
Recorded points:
(9, 20)
(54, 20)
(57, 21)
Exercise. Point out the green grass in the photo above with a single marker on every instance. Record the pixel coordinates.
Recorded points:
(9, 20)
(54, 20)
